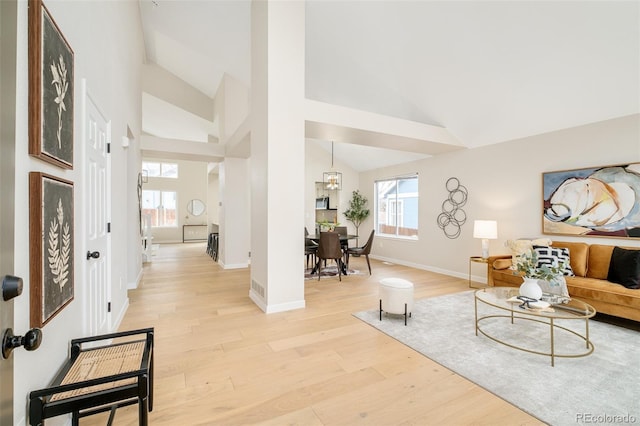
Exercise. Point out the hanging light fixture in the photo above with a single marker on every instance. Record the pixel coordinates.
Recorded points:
(332, 179)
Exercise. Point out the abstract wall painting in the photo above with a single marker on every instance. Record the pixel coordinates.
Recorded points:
(51, 87)
(598, 201)
(51, 237)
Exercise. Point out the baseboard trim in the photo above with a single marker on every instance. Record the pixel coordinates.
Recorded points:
(272, 309)
(116, 325)
(136, 283)
(456, 274)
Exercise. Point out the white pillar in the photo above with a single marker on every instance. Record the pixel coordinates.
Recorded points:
(233, 246)
(277, 154)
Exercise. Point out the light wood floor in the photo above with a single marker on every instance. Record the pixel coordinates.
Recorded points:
(221, 361)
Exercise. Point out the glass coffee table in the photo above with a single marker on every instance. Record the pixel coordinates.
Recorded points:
(513, 313)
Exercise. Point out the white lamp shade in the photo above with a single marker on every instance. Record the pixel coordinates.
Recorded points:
(485, 229)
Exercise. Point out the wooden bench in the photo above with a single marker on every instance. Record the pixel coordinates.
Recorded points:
(103, 373)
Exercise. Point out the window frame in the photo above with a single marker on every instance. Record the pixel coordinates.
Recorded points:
(160, 208)
(161, 166)
(399, 207)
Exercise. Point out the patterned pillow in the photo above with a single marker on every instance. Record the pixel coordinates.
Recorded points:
(522, 245)
(552, 256)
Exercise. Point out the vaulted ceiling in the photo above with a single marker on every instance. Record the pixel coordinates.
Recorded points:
(488, 71)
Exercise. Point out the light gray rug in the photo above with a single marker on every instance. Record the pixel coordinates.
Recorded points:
(602, 388)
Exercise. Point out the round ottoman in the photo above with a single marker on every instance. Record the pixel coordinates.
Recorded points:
(396, 297)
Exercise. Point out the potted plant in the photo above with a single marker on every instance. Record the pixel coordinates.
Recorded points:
(532, 272)
(357, 211)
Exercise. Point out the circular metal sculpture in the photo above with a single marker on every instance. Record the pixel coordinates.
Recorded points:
(453, 217)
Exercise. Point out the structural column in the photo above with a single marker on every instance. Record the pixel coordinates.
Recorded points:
(233, 246)
(277, 154)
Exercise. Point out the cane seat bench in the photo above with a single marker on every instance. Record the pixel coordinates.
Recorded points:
(103, 373)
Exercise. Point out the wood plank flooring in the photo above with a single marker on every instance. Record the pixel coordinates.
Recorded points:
(221, 361)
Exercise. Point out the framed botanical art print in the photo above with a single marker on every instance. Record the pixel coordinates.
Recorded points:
(51, 236)
(597, 201)
(51, 87)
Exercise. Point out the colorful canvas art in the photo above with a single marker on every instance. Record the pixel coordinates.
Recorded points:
(598, 201)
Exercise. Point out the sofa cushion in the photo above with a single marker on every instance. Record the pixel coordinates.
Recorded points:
(579, 252)
(588, 289)
(624, 267)
(599, 259)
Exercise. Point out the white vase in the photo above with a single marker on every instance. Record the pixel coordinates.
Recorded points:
(530, 288)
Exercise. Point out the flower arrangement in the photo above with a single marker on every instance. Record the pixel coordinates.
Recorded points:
(528, 265)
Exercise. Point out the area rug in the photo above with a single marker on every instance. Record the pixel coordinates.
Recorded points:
(328, 272)
(603, 387)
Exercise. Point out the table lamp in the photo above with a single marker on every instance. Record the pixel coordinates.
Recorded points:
(487, 230)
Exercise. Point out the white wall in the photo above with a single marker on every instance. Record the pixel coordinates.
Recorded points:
(213, 198)
(192, 183)
(504, 183)
(110, 61)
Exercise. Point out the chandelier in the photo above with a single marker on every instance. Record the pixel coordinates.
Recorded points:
(332, 179)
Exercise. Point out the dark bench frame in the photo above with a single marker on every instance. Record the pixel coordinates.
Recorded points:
(139, 392)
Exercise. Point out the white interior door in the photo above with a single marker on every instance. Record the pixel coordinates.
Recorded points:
(97, 133)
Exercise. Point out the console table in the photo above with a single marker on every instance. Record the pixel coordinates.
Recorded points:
(195, 233)
(99, 378)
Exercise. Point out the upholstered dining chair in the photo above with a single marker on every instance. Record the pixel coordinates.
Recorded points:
(342, 230)
(310, 248)
(362, 251)
(329, 248)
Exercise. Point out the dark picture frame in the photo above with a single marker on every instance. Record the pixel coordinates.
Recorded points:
(51, 246)
(51, 86)
(595, 201)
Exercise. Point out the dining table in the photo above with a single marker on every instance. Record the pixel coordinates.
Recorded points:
(342, 237)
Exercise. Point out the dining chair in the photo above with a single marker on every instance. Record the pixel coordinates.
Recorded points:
(362, 251)
(329, 248)
(344, 243)
(310, 248)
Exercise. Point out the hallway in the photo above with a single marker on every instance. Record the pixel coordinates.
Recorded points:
(221, 361)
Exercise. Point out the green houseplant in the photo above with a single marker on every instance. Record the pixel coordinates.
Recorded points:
(528, 265)
(532, 272)
(357, 211)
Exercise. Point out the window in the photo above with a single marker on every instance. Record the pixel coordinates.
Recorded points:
(161, 207)
(166, 170)
(396, 207)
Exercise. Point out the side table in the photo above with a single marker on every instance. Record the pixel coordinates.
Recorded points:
(476, 259)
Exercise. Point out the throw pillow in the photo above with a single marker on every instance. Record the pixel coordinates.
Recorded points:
(624, 267)
(552, 256)
(523, 245)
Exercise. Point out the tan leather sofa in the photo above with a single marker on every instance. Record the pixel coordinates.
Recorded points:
(590, 264)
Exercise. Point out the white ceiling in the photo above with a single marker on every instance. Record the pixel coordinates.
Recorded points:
(488, 71)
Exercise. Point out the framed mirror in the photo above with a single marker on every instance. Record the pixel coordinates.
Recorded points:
(195, 207)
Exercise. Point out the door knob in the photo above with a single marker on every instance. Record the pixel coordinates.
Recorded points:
(31, 341)
(95, 255)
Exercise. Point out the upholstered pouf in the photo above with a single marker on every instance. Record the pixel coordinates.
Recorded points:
(396, 297)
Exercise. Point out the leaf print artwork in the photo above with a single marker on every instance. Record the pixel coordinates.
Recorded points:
(59, 248)
(59, 73)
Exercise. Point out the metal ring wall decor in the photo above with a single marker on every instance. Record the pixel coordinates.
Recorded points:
(453, 217)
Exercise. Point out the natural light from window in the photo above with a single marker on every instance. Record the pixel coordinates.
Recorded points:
(155, 169)
(161, 208)
(396, 207)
